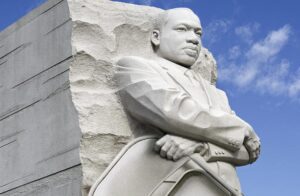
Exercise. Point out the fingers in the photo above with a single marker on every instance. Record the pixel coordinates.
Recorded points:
(165, 149)
(256, 151)
(253, 148)
(161, 142)
(172, 151)
(182, 153)
(175, 147)
(203, 149)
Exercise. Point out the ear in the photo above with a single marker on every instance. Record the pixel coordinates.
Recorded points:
(155, 37)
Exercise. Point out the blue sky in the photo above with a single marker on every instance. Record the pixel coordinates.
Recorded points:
(257, 45)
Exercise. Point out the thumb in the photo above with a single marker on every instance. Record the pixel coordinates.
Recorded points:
(198, 147)
(202, 148)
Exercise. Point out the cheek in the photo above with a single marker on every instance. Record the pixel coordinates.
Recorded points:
(172, 46)
(175, 38)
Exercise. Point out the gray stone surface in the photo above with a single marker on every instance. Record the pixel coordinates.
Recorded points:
(64, 183)
(38, 122)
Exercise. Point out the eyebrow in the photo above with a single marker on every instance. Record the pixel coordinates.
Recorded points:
(190, 26)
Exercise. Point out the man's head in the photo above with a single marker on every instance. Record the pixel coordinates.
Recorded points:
(177, 36)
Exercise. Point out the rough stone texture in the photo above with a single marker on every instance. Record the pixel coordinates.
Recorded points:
(102, 31)
(206, 66)
(59, 56)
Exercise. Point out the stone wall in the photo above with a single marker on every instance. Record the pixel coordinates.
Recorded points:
(39, 130)
(60, 116)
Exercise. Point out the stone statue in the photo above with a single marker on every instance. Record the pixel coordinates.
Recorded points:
(189, 141)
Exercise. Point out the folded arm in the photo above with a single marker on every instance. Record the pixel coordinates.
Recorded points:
(175, 147)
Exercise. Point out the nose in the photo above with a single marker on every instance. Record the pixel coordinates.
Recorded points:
(193, 38)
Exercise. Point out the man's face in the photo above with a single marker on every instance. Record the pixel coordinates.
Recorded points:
(180, 37)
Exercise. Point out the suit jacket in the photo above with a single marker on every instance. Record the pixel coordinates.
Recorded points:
(173, 99)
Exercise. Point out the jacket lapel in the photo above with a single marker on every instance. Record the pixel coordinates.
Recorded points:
(184, 79)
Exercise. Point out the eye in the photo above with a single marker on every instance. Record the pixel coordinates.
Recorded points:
(181, 29)
(199, 33)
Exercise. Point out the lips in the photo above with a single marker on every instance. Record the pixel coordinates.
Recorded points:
(191, 51)
(192, 47)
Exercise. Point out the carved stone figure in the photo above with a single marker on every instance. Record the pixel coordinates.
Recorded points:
(189, 141)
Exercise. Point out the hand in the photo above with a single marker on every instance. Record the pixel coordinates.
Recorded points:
(253, 148)
(252, 145)
(175, 147)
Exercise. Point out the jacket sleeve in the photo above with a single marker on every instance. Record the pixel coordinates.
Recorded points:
(148, 97)
(237, 158)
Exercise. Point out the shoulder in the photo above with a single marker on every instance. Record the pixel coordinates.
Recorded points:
(135, 63)
(132, 61)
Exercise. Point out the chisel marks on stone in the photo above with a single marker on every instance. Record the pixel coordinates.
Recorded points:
(59, 154)
(60, 89)
(10, 52)
(57, 27)
(11, 135)
(23, 82)
(50, 8)
(15, 110)
(56, 75)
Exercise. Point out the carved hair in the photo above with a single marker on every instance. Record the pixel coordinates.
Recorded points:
(159, 20)
(162, 18)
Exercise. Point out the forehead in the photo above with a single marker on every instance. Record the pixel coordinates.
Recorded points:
(181, 16)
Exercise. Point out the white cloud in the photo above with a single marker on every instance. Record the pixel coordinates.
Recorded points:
(246, 32)
(280, 82)
(246, 75)
(226, 73)
(294, 89)
(234, 52)
(263, 50)
(214, 30)
(261, 53)
(275, 81)
(294, 86)
(261, 68)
